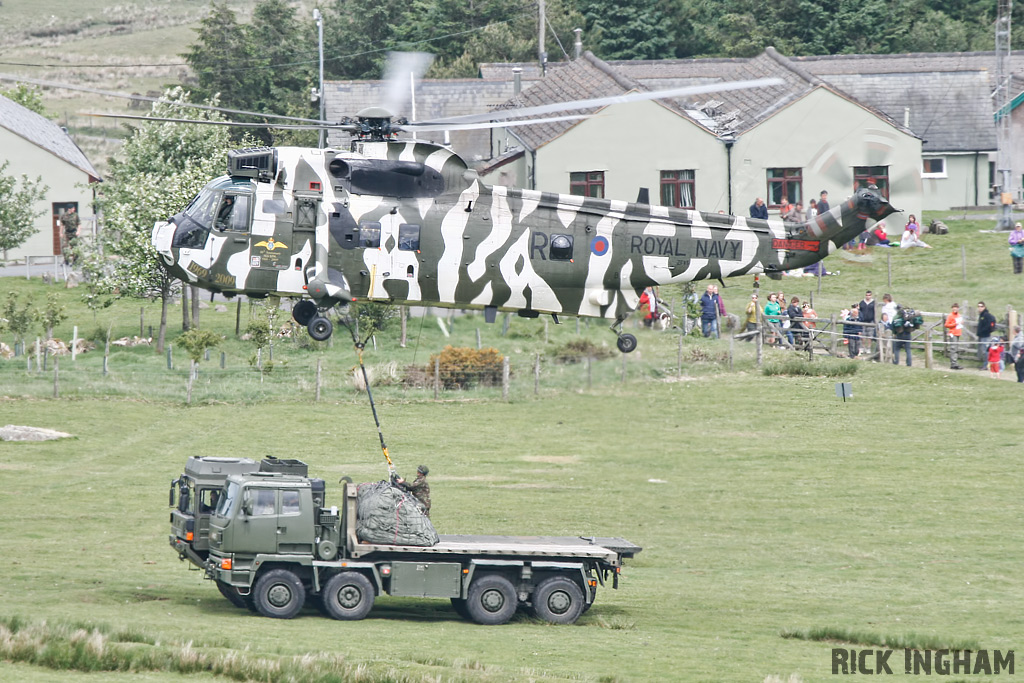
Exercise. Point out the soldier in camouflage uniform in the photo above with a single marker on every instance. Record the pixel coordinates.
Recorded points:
(419, 487)
(69, 222)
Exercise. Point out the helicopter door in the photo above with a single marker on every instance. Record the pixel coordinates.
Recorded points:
(392, 248)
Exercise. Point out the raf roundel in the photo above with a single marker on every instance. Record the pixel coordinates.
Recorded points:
(599, 246)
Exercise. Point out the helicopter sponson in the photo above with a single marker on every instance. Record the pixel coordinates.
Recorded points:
(410, 223)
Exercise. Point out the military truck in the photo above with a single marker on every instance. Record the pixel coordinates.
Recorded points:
(194, 496)
(274, 543)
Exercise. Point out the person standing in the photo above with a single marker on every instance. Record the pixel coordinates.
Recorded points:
(69, 223)
(750, 320)
(995, 357)
(986, 326)
(758, 209)
(901, 328)
(772, 314)
(823, 206)
(794, 333)
(851, 331)
(419, 487)
(812, 209)
(954, 326)
(1017, 352)
(1017, 248)
(866, 311)
(709, 313)
(889, 306)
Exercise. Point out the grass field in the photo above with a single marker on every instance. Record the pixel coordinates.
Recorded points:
(777, 521)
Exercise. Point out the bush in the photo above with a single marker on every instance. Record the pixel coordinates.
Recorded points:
(815, 368)
(461, 368)
(576, 350)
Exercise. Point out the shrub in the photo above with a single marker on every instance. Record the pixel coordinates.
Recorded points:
(575, 350)
(463, 367)
(815, 368)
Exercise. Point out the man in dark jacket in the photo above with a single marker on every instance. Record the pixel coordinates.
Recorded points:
(758, 209)
(986, 327)
(823, 206)
(709, 313)
(866, 311)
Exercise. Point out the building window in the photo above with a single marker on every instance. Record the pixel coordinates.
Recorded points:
(878, 176)
(785, 182)
(933, 167)
(677, 189)
(587, 183)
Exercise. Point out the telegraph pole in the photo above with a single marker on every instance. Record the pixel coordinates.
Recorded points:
(542, 53)
(319, 19)
(1004, 130)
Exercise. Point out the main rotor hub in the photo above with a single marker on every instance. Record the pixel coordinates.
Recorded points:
(374, 124)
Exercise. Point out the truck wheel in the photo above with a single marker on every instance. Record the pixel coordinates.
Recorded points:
(231, 593)
(279, 594)
(348, 596)
(558, 600)
(492, 600)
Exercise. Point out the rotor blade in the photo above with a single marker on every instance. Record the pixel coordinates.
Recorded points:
(237, 124)
(615, 99)
(429, 127)
(403, 70)
(145, 98)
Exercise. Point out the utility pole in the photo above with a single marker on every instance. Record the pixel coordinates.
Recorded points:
(542, 53)
(1002, 99)
(319, 19)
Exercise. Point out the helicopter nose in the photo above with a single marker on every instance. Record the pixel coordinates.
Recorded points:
(163, 234)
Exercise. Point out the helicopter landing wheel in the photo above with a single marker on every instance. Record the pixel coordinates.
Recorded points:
(626, 343)
(320, 328)
(304, 311)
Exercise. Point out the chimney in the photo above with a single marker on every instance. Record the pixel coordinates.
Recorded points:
(578, 45)
(517, 80)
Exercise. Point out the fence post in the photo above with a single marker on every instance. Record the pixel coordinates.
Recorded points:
(504, 378)
(74, 343)
(28, 267)
(732, 344)
(928, 349)
(545, 330)
(834, 347)
(223, 359)
(590, 375)
(479, 342)
(536, 374)
(238, 316)
(679, 357)
(46, 357)
(106, 350)
(318, 379)
(505, 324)
(56, 377)
(403, 316)
(170, 360)
(437, 377)
(39, 345)
(142, 321)
(759, 345)
(963, 261)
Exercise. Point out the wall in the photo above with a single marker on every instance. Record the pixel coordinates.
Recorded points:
(632, 143)
(965, 184)
(826, 136)
(66, 183)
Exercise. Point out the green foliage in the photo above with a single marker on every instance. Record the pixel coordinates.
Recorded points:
(28, 96)
(576, 350)
(461, 368)
(18, 201)
(798, 365)
(632, 29)
(196, 342)
(17, 319)
(52, 314)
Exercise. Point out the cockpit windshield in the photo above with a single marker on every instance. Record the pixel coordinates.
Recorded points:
(226, 504)
(204, 207)
(224, 204)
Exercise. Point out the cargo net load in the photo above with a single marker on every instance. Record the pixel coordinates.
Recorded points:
(386, 514)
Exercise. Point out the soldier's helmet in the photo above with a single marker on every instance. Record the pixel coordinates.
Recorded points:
(423, 469)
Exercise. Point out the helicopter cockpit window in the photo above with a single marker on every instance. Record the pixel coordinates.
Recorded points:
(369, 235)
(233, 213)
(275, 207)
(408, 237)
(561, 247)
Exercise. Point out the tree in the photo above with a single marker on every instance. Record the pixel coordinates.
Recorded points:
(628, 29)
(195, 343)
(27, 96)
(18, 199)
(160, 169)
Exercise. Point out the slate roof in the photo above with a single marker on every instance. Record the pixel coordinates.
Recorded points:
(948, 94)
(722, 112)
(44, 133)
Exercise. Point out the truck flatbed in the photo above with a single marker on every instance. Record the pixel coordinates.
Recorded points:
(603, 549)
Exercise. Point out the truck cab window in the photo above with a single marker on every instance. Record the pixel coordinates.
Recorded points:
(263, 502)
(227, 500)
(290, 503)
(208, 500)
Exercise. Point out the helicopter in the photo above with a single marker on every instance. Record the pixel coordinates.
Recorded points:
(408, 222)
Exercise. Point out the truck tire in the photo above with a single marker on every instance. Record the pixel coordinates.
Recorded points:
(348, 596)
(231, 593)
(558, 600)
(279, 594)
(492, 600)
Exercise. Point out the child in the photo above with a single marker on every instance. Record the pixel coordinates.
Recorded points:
(995, 358)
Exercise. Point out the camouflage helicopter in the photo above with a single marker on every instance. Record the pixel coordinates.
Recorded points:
(408, 222)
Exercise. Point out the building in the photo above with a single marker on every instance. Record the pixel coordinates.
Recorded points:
(714, 152)
(34, 146)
